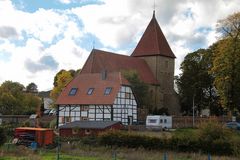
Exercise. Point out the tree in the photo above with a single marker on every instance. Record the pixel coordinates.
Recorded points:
(32, 88)
(8, 104)
(226, 67)
(226, 62)
(139, 88)
(31, 103)
(195, 82)
(61, 79)
(230, 26)
(11, 96)
(13, 99)
(71, 71)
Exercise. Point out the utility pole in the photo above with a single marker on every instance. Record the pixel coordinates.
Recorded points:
(58, 136)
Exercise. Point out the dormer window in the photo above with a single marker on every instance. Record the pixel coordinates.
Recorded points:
(90, 91)
(107, 90)
(73, 92)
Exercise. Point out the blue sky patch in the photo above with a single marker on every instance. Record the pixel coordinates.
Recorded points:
(33, 5)
(204, 29)
(89, 41)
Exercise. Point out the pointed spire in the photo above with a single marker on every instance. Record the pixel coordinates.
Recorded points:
(154, 5)
(153, 42)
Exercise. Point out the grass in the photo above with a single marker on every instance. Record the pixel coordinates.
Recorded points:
(48, 157)
(70, 152)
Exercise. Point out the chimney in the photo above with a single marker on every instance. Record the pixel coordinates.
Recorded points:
(104, 74)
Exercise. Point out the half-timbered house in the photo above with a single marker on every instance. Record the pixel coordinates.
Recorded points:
(98, 97)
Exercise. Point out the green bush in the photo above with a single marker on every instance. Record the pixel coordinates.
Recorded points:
(184, 144)
(215, 138)
(9, 129)
(121, 139)
(3, 136)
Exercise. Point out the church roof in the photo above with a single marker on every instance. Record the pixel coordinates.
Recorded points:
(102, 60)
(90, 88)
(153, 42)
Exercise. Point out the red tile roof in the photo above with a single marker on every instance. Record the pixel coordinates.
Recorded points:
(153, 42)
(101, 60)
(92, 80)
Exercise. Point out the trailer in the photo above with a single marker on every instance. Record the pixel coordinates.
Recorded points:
(158, 122)
(28, 135)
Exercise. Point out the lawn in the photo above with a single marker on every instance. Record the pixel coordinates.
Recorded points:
(101, 153)
(48, 157)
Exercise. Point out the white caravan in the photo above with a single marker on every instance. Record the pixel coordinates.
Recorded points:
(159, 122)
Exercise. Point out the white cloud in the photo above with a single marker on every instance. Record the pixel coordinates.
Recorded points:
(113, 22)
(57, 33)
(49, 45)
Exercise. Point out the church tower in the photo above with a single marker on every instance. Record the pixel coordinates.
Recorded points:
(155, 50)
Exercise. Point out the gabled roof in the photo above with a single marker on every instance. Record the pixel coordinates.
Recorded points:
(89, 124)
(92, 80)
(153, 42)
(101, 60)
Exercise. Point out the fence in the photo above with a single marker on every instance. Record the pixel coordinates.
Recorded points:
(184, 122)
(187, 121)
(13, 118)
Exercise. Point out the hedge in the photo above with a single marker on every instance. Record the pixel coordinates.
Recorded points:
(206, 141)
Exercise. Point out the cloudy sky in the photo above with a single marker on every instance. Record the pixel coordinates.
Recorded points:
(40, 37)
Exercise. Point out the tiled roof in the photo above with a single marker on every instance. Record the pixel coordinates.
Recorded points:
(89, 124)
(112, 62)
(92, 80)
(153, 42)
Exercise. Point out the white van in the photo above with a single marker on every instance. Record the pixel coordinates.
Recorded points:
(159, 122)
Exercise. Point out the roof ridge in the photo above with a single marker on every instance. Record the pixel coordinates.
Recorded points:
(113, 53)
(93, 54)
(155, 28)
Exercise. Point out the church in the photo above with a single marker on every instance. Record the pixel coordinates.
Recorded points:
(100, 92)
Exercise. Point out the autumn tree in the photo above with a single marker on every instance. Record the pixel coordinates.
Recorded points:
(61, 79)
(226, 62)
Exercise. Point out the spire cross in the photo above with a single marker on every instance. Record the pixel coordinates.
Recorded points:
(154, 5)
(93, 43)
